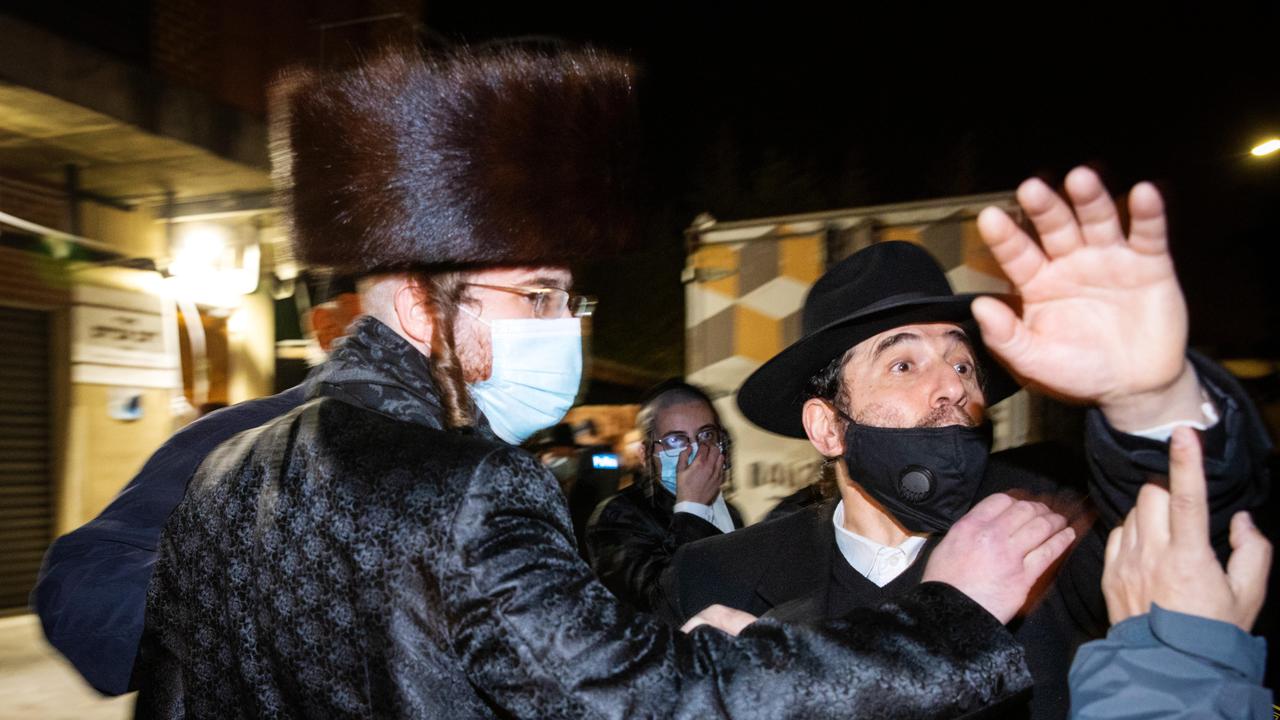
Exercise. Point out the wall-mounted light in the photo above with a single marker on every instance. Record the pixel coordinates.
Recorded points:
(199, 248)
(213, 264)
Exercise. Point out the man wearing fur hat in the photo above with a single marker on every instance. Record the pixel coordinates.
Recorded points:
(891, 381)
(382, 551)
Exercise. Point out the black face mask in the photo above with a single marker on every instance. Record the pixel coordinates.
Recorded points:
(926, 477)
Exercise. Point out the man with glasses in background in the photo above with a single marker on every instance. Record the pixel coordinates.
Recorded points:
(675, 500)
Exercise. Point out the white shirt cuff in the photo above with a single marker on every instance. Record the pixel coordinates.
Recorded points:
(696, 509)
(1162, 433)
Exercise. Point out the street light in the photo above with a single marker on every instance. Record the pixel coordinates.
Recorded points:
(1266, 148)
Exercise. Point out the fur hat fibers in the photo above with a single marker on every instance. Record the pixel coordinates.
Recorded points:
(510, 157)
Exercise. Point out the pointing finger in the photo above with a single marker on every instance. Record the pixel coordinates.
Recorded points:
(1131, 531)
(1152, 511)
(1188, 503)
(702, 458)
(682, 460)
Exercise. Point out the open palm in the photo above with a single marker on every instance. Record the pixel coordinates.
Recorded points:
(1103, 316)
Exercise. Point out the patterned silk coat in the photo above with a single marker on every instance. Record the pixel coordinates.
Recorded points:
(353, 559)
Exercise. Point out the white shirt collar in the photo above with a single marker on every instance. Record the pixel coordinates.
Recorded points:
(878, 563)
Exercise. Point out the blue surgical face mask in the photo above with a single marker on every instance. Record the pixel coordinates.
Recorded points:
(668, 461)
(537, 369)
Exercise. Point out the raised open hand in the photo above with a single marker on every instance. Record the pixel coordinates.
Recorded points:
(1103, 318)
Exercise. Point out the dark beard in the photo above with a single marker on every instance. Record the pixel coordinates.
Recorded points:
(946, 415)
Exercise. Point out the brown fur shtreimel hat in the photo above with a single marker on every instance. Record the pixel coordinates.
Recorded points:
(506, 157)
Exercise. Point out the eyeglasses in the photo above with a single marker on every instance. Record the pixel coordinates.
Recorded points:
(678, 441)
(548, 302)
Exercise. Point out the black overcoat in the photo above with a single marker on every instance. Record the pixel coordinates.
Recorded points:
(353, 559)
(632, 536)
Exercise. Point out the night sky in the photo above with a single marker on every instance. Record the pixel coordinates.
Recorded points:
(763, 110)
(757, 109)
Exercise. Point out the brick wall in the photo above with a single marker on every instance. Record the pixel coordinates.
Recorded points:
(232, 49)
(182, 40)
(35, 203)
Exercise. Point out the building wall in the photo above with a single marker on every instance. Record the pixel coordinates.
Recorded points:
(103, 450)
(39, 286)
(106, 417)
(33, 202)
(97, 454)
(135, 234)
(104, 453)
(232, 49)
(251, 343)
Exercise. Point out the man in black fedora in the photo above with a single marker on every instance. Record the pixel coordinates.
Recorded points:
(891, 381)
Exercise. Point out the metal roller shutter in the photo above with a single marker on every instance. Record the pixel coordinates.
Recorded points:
(26, 498)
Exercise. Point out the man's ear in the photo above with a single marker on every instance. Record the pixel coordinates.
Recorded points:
(413, 313)
(318, 318)
(824, 427)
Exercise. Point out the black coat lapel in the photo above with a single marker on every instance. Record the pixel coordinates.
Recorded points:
(799, 566)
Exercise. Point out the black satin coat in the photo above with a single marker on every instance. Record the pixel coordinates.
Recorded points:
(353, 559)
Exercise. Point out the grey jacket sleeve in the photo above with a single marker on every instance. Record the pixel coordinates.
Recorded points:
(538, 636)
(1170, 665)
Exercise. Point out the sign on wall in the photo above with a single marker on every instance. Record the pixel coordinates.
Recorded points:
(123, 338)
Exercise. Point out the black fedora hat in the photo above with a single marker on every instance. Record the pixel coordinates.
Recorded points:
(885, 286)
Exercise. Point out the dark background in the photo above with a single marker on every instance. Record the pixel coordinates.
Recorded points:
(757, 110)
